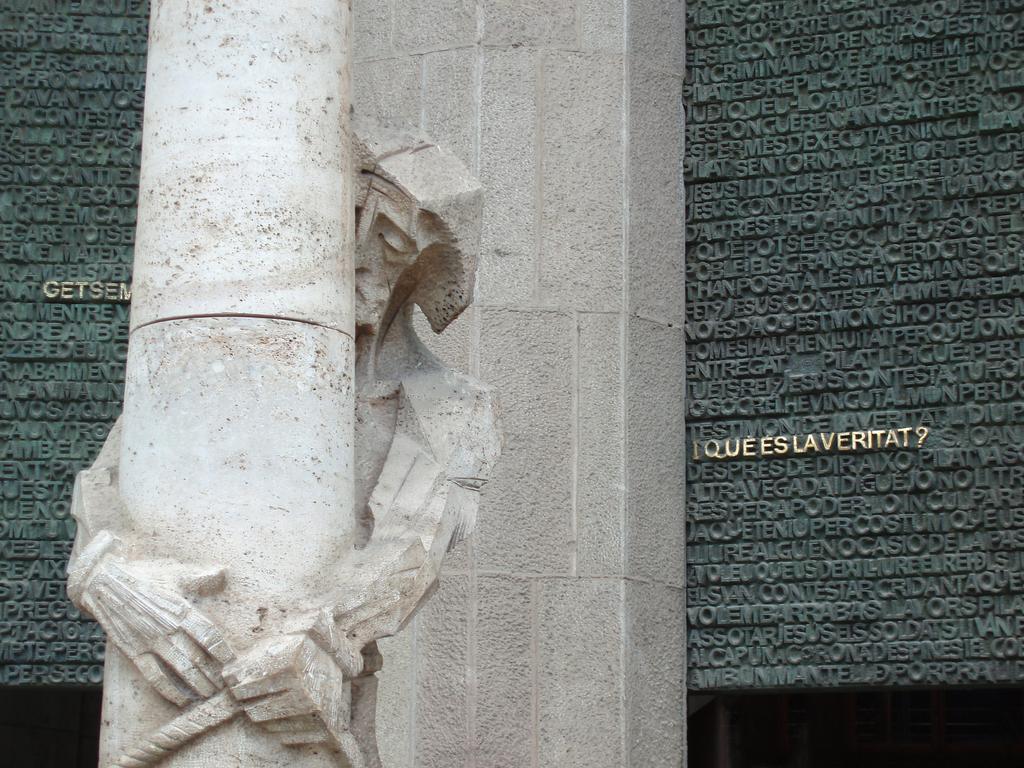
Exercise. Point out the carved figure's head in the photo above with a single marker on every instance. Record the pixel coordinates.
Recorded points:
(417, 230)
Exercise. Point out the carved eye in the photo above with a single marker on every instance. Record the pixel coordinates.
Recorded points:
(393, 237)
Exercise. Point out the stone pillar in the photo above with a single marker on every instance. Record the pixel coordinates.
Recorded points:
(236, 449)
(557, 638)
(239, 367)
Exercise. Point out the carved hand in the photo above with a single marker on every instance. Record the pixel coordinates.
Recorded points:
(399, 582)
(298, 691)
(178, 650)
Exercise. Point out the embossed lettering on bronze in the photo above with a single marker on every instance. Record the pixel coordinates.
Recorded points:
(855, 236)
(70, 122)
(82, 290)
(765, 446)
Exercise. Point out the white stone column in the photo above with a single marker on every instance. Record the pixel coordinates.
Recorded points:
(557, 638)
(237, 444)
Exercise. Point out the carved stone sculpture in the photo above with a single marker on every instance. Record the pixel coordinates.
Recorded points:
(255, 523)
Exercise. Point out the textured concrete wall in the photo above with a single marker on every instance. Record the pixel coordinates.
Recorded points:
(557, 638)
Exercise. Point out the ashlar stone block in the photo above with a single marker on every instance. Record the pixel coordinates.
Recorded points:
(583, 189)
(580, 674)
(533, 23)
(509, 170)
(526, 521)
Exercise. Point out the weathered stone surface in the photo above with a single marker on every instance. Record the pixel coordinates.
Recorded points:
(454, 345)
(580, 676)
(655, 35)
(190, 425)
(655, 662)
(449, 95)
(372, 22)
(583, 209)
(442, 729)
(396, 709)
(656, 216)
(509, 171)
(534, 23)
(430, 25)
(600, 494)
(226, 348)
(601, 25)
(390, 90)
(505, 671)
(527, 524)
(207, 180)
(655, 456)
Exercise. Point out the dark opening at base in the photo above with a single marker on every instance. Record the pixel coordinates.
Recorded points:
(908, 729)
(878, 729)
(49, 728)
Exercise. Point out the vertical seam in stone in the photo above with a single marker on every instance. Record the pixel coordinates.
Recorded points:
(475, 321)
(623, 387)
(574, 535)
(626, 630)
(682, 296)
(471, 679)
(535, 672)
(414, 692)
(538, 178)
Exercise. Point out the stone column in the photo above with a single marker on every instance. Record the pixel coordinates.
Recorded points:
(557, 638)
(236, 450)
(237, 424)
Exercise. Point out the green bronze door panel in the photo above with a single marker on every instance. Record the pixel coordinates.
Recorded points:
(73, 73)
(855, 347)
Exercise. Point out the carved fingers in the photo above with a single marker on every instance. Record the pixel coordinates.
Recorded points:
(84, 562)
(177, 649)
(296, 690)
(156, 675)
(391, 601)
(207, 636)
(328, 634)
(188, 664)
(190, 658)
